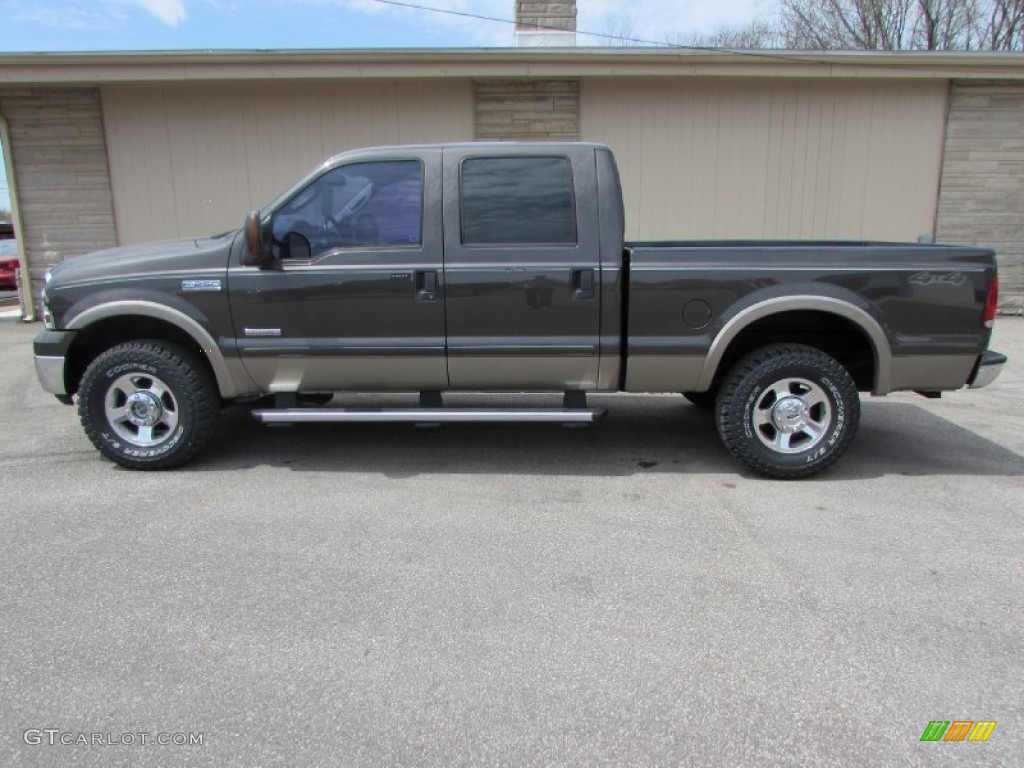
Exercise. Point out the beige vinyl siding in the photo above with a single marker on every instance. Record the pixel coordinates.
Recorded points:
(191, 159)
(767, 159)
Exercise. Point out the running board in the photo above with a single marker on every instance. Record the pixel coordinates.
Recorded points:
(432, 415)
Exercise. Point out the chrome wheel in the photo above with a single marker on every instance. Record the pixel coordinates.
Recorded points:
(787, 410)
(148, 404)
(141, 409)
(792, 415)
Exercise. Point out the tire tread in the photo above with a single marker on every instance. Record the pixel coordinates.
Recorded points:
(199, 392)
(730, 427)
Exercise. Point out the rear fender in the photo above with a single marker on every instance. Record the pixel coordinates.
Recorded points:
(768, 307)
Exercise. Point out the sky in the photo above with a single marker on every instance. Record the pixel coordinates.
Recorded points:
(80, 25)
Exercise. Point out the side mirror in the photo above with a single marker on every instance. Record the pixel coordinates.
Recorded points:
(256, 255)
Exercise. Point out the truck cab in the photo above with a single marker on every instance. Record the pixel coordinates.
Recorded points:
(466, 267)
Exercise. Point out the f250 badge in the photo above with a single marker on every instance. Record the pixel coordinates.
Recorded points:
(200, 285)
(938, 278)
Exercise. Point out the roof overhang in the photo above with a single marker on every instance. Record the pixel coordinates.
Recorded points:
(20, 69)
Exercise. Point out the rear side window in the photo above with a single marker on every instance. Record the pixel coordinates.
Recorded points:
(518, 200)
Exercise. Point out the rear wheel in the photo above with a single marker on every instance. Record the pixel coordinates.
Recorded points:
(147, 404)
(788, 411)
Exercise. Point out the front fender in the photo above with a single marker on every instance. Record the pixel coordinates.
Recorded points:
(226, 382)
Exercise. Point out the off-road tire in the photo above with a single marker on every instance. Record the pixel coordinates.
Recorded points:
(190, 400)
(799, 433)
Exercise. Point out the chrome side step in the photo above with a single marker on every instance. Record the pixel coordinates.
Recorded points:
(432, 415)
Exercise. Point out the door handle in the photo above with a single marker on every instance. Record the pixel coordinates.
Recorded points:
(426, 285)
(582, 282)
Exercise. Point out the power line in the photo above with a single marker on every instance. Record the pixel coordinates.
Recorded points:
(603, 35)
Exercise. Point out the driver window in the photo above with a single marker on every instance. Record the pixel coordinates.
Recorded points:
(364, 205)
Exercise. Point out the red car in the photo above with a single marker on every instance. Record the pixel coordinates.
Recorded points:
(8, 258)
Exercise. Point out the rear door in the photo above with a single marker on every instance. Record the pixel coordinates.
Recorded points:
(521, 267)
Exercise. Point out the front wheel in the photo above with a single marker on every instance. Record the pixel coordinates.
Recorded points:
(147, 404)
(788, 411)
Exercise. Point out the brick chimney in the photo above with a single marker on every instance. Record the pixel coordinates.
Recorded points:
(545, 23)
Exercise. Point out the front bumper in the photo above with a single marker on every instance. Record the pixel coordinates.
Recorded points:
(986, 370)
(50, 350)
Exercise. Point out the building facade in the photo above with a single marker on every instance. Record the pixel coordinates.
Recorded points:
(109, 149)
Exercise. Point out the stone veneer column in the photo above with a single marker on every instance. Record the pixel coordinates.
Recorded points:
(59, 151)
(981, 200)
(525, 110)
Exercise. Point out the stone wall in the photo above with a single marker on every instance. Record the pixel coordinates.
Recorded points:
(60, 172)
(981, 199)
(525, 110)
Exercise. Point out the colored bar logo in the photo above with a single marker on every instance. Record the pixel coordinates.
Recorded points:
(958, 730)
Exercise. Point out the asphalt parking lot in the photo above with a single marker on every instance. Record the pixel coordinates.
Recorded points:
(514, 595)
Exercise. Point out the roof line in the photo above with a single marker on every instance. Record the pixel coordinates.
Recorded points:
(109, 67)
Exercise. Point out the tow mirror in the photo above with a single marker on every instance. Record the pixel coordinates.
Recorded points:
(257, 254)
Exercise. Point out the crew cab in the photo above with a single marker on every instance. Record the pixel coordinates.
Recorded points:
(495, 268)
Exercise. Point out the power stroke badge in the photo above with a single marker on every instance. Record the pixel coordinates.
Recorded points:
(200, 285)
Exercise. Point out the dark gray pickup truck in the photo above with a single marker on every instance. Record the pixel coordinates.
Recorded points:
(497, 268)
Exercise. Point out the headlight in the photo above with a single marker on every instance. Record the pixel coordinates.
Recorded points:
(48, 323)
(46, 277)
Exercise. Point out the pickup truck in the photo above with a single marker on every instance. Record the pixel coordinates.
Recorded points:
(495, 268)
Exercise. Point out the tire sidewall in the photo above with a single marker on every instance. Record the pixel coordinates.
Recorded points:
(842, 398)
(110, 367)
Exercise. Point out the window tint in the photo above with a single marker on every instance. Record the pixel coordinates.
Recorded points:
(524, 200)
(364, 205)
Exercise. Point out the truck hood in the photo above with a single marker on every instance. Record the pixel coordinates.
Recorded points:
(132, 261)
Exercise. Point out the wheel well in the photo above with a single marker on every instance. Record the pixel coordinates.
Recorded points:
(97, 338)
(836, 336)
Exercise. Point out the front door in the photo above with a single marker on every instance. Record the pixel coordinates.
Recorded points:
(522, 275)
(357, 302)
